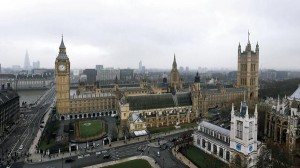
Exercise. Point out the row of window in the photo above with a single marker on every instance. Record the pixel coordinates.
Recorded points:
(244, 67)
(214, 149)
(215, 134)
(239, 130)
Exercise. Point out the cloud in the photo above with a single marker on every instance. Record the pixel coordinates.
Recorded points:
(121, 33)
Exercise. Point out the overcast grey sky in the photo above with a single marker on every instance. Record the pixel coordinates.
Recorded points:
(202, 33)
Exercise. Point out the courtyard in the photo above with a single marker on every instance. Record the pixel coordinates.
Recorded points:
(86, 130)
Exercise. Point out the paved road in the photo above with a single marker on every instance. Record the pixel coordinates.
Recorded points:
(166, 159)
(24, 132)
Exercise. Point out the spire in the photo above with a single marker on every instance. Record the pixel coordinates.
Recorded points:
(62, 45)
(247, 113)
(248, 37)
(174, 62)
(62, 50)
(197, 78)
(232, 109)
(255, 112)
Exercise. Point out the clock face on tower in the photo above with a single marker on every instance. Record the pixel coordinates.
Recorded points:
(62, 67)
(250, 148)
(238, 147)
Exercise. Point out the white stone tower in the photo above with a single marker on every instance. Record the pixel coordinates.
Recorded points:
(243, 135)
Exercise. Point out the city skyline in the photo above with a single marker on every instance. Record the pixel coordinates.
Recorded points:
(201, 34)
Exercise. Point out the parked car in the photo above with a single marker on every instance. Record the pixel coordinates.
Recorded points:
(158, 154)
(21, 147)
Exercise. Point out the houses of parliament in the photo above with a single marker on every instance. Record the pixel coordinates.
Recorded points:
(145, 105)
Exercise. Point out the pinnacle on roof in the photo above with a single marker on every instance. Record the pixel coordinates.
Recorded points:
(62, 51)
(62, 45)
(248, 37)
(197, 78)
(174, 62)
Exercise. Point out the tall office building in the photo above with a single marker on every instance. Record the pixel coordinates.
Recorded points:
(90, 75)
(140, 66)
(99, 67)
(27, 62)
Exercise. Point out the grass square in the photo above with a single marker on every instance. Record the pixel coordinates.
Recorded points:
(90, 128)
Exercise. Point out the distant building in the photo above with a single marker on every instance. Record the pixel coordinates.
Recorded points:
(126, 74)
(36, 65)
(27, 62)
(99, 67)
(16, 67)
(9, 108)
(90, 76)
(140, 66)
(108, 74)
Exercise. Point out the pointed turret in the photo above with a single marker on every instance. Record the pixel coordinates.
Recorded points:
(248, 47)
(232, 110)
(197, 78)
(62, 50)
(62, 47)
(257, 48)
(278, 105)
(255, 112)
(174, 63)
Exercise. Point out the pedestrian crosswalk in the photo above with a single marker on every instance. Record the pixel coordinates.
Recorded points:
(126, 151)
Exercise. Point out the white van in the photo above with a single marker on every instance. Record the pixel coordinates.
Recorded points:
(158, 154)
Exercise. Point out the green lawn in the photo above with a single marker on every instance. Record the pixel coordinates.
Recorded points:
(202, 159)
(188, 125)
(139, 163)
(90, 128)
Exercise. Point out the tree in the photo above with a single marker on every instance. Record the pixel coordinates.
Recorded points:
(264, 158)
(237, 162)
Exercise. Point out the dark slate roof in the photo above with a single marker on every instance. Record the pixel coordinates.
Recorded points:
(157, 101)
(150, 101)
(184, 99)
(62, 44)
(6, 95)
(7, 76)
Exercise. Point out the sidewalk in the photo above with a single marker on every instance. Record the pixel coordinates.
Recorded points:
(150, 160)
(32, 148)
(183, 159)
(36, 157)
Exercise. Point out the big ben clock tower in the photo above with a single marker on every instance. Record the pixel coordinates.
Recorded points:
(62, 76)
